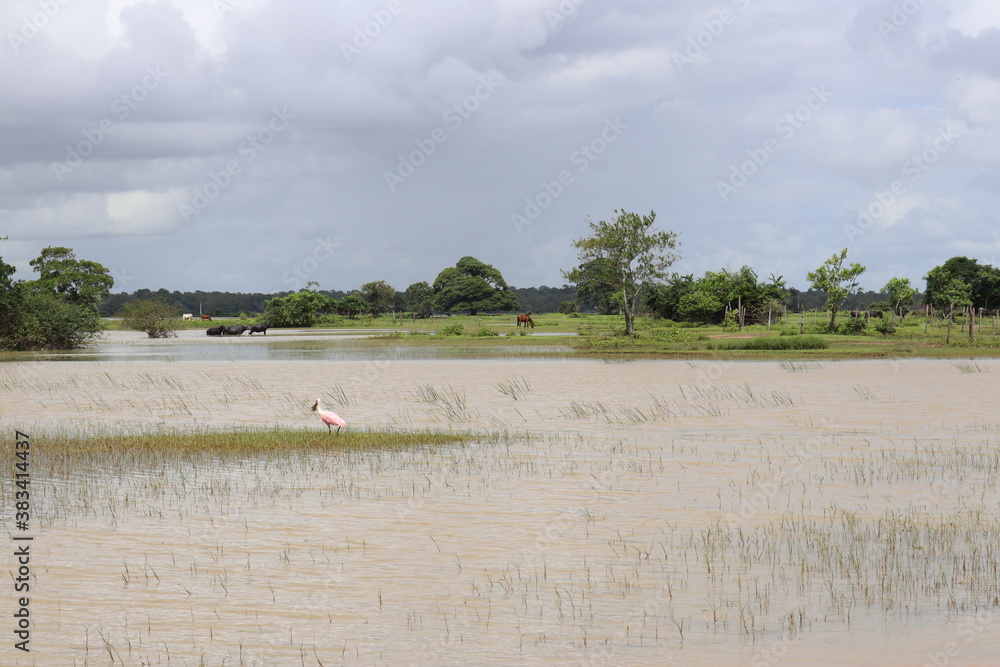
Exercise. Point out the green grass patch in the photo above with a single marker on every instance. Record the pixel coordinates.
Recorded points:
(248, 442)
(776, 343)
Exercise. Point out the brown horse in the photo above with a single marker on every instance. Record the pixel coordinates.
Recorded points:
(525, 320)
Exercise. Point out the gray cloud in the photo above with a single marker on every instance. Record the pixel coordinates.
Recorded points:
(173, 100)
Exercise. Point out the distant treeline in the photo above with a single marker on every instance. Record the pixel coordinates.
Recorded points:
(813, 299)
(542, 299)
(219, 304)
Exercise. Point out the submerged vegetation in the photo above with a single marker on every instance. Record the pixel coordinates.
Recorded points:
(554, 510)
(247, 442)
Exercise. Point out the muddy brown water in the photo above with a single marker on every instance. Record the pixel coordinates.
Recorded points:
(585, 537)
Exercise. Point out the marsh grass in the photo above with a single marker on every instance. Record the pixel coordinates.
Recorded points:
(799, 366)
(446, 404)
(777, 343)
(241, 443)
(970, 367)
(516, 387)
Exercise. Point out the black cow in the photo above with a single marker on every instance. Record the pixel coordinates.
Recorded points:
(213, 331)
(234, 330)
(259, 328)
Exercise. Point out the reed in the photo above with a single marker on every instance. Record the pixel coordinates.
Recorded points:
(244, 442)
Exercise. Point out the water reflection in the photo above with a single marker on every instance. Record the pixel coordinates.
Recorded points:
(278, 345)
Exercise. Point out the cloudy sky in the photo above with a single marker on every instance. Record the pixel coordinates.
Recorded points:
(252, 145)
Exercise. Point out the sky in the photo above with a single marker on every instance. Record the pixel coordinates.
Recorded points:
(257, 146)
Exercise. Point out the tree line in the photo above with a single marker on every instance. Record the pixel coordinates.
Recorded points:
(623, 269)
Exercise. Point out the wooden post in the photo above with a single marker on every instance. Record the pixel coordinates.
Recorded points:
(972, 316)
(802, 322)
(951, 318)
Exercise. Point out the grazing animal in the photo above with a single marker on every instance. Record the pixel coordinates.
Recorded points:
(187, 316)
(213, 331)
(207, 317)
(329, 418)
(259, 328)
(235, 330)
(525, 320)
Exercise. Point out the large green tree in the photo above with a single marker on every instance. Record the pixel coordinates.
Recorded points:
(57, 311)
(837, 280)
(300, 309)
(419, 299)
(78, 281)
(379, 295)
(899, 294)
(635, 254)
(473, 285)
(590, 289)
(983, 281)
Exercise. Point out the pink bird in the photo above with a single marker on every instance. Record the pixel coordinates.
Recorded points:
(329, 418)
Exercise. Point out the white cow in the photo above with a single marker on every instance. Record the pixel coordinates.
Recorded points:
(187, 316)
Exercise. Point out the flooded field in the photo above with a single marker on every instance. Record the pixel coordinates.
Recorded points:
(642, 513)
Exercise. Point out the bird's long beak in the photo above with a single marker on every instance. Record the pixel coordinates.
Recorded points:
(315, 405)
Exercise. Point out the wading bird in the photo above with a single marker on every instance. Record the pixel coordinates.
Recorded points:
(329, 418)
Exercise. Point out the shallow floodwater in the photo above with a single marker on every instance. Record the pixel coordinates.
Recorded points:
(647, 512)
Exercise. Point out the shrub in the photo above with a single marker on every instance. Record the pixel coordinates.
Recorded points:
(855, 326)
(485, 331)
(885, 326)
(154, 316)
(452, 330)
(778, 343)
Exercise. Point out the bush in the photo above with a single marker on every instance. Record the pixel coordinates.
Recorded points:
(485, 331)
(885, 326)
(154, 316)
(452, 330)
(855, 326)
(671, 335)
(778, 343)
(46, 322)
